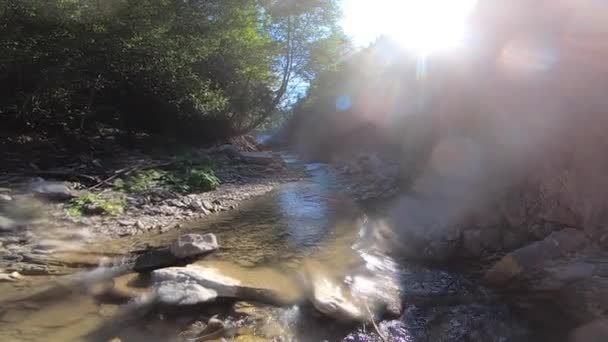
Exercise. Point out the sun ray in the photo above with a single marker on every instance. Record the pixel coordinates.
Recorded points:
(423, 26)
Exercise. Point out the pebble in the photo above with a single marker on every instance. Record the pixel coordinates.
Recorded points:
(140, 224)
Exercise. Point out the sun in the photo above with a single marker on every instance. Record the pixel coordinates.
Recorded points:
(424, 26)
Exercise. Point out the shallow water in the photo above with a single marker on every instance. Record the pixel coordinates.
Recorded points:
(298, 221)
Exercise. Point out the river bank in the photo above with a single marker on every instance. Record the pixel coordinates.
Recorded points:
(40, 217)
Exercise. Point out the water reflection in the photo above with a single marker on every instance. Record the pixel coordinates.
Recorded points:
(308, 207)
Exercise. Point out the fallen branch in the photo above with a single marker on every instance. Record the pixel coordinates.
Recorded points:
(371, 317)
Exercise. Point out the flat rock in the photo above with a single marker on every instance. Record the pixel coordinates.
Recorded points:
(5, 198)
(188, 245)
(200, 280)
(55, 191)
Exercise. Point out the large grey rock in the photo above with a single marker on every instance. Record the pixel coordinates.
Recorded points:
(558, 244)
(55, 191)
(194, 244)
(566, 267)
(201, 282)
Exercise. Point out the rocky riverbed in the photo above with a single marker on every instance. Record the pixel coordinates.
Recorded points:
(305, 262)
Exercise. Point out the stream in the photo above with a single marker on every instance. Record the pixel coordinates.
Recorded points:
(305, 222)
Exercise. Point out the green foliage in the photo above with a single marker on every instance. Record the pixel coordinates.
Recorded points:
(187, 176)
(91, 203)
(189, 70)
(202, 179)
(142, 181)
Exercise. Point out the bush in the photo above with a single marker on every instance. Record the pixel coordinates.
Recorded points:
(89, 203)
(186, 177)
(142, 181)
(202, 179)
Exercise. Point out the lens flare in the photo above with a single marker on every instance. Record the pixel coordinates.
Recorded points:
(423, 26)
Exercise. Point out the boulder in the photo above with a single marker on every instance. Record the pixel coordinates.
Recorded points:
(203, 281)
(56, 191)
(194, 244)
(566, 267)
(557, 244)
(5, 198)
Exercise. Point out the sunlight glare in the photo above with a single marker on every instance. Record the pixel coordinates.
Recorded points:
(423, 26)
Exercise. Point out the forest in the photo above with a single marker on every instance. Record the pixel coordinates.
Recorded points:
(196, 70)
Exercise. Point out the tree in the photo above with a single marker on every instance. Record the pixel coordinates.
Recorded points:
(188, 69)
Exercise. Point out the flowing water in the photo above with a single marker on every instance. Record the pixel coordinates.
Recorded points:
(271, 234)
